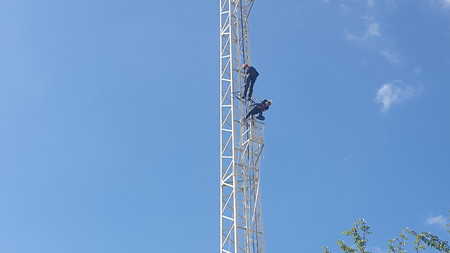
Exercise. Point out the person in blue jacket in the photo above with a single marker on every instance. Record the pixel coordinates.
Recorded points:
(250, 77)
(259, 109)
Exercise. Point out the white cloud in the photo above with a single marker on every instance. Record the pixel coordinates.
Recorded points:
(372, 31)
(372, 37)
(439, 220)
(392, 57)
(395, 93)
(377, 250)
(370, 3)
(446, 3)
(417, 70)
(344, 10)
(390, 5)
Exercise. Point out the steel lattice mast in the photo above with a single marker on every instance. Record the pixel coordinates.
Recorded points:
(241, 145)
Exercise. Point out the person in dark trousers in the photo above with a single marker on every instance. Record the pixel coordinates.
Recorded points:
(250, 77)
(259, 109)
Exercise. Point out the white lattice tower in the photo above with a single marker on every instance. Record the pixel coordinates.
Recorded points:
(241, 143)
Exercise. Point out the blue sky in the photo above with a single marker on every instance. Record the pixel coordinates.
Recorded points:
(109, 122)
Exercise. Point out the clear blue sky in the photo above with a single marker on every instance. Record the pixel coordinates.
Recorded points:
(109, 122)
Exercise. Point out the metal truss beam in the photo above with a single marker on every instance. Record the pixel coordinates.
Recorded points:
(241, 145)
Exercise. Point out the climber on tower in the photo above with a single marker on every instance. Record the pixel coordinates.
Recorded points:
(259, 109)
(250, 77)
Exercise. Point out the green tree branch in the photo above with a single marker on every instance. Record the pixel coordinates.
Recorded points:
(361, 230)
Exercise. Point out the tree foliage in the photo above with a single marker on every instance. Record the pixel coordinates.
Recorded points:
(448, 225)
(361, 230)
(397, 245)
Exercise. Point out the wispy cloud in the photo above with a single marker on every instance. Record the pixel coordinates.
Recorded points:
(417, 70)
(344, 10)
(446, 3)
(390, 56)
(377, 250)
(443, 3)
(394, 93)
(372, 31)
(439, 220)
(373, 36)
